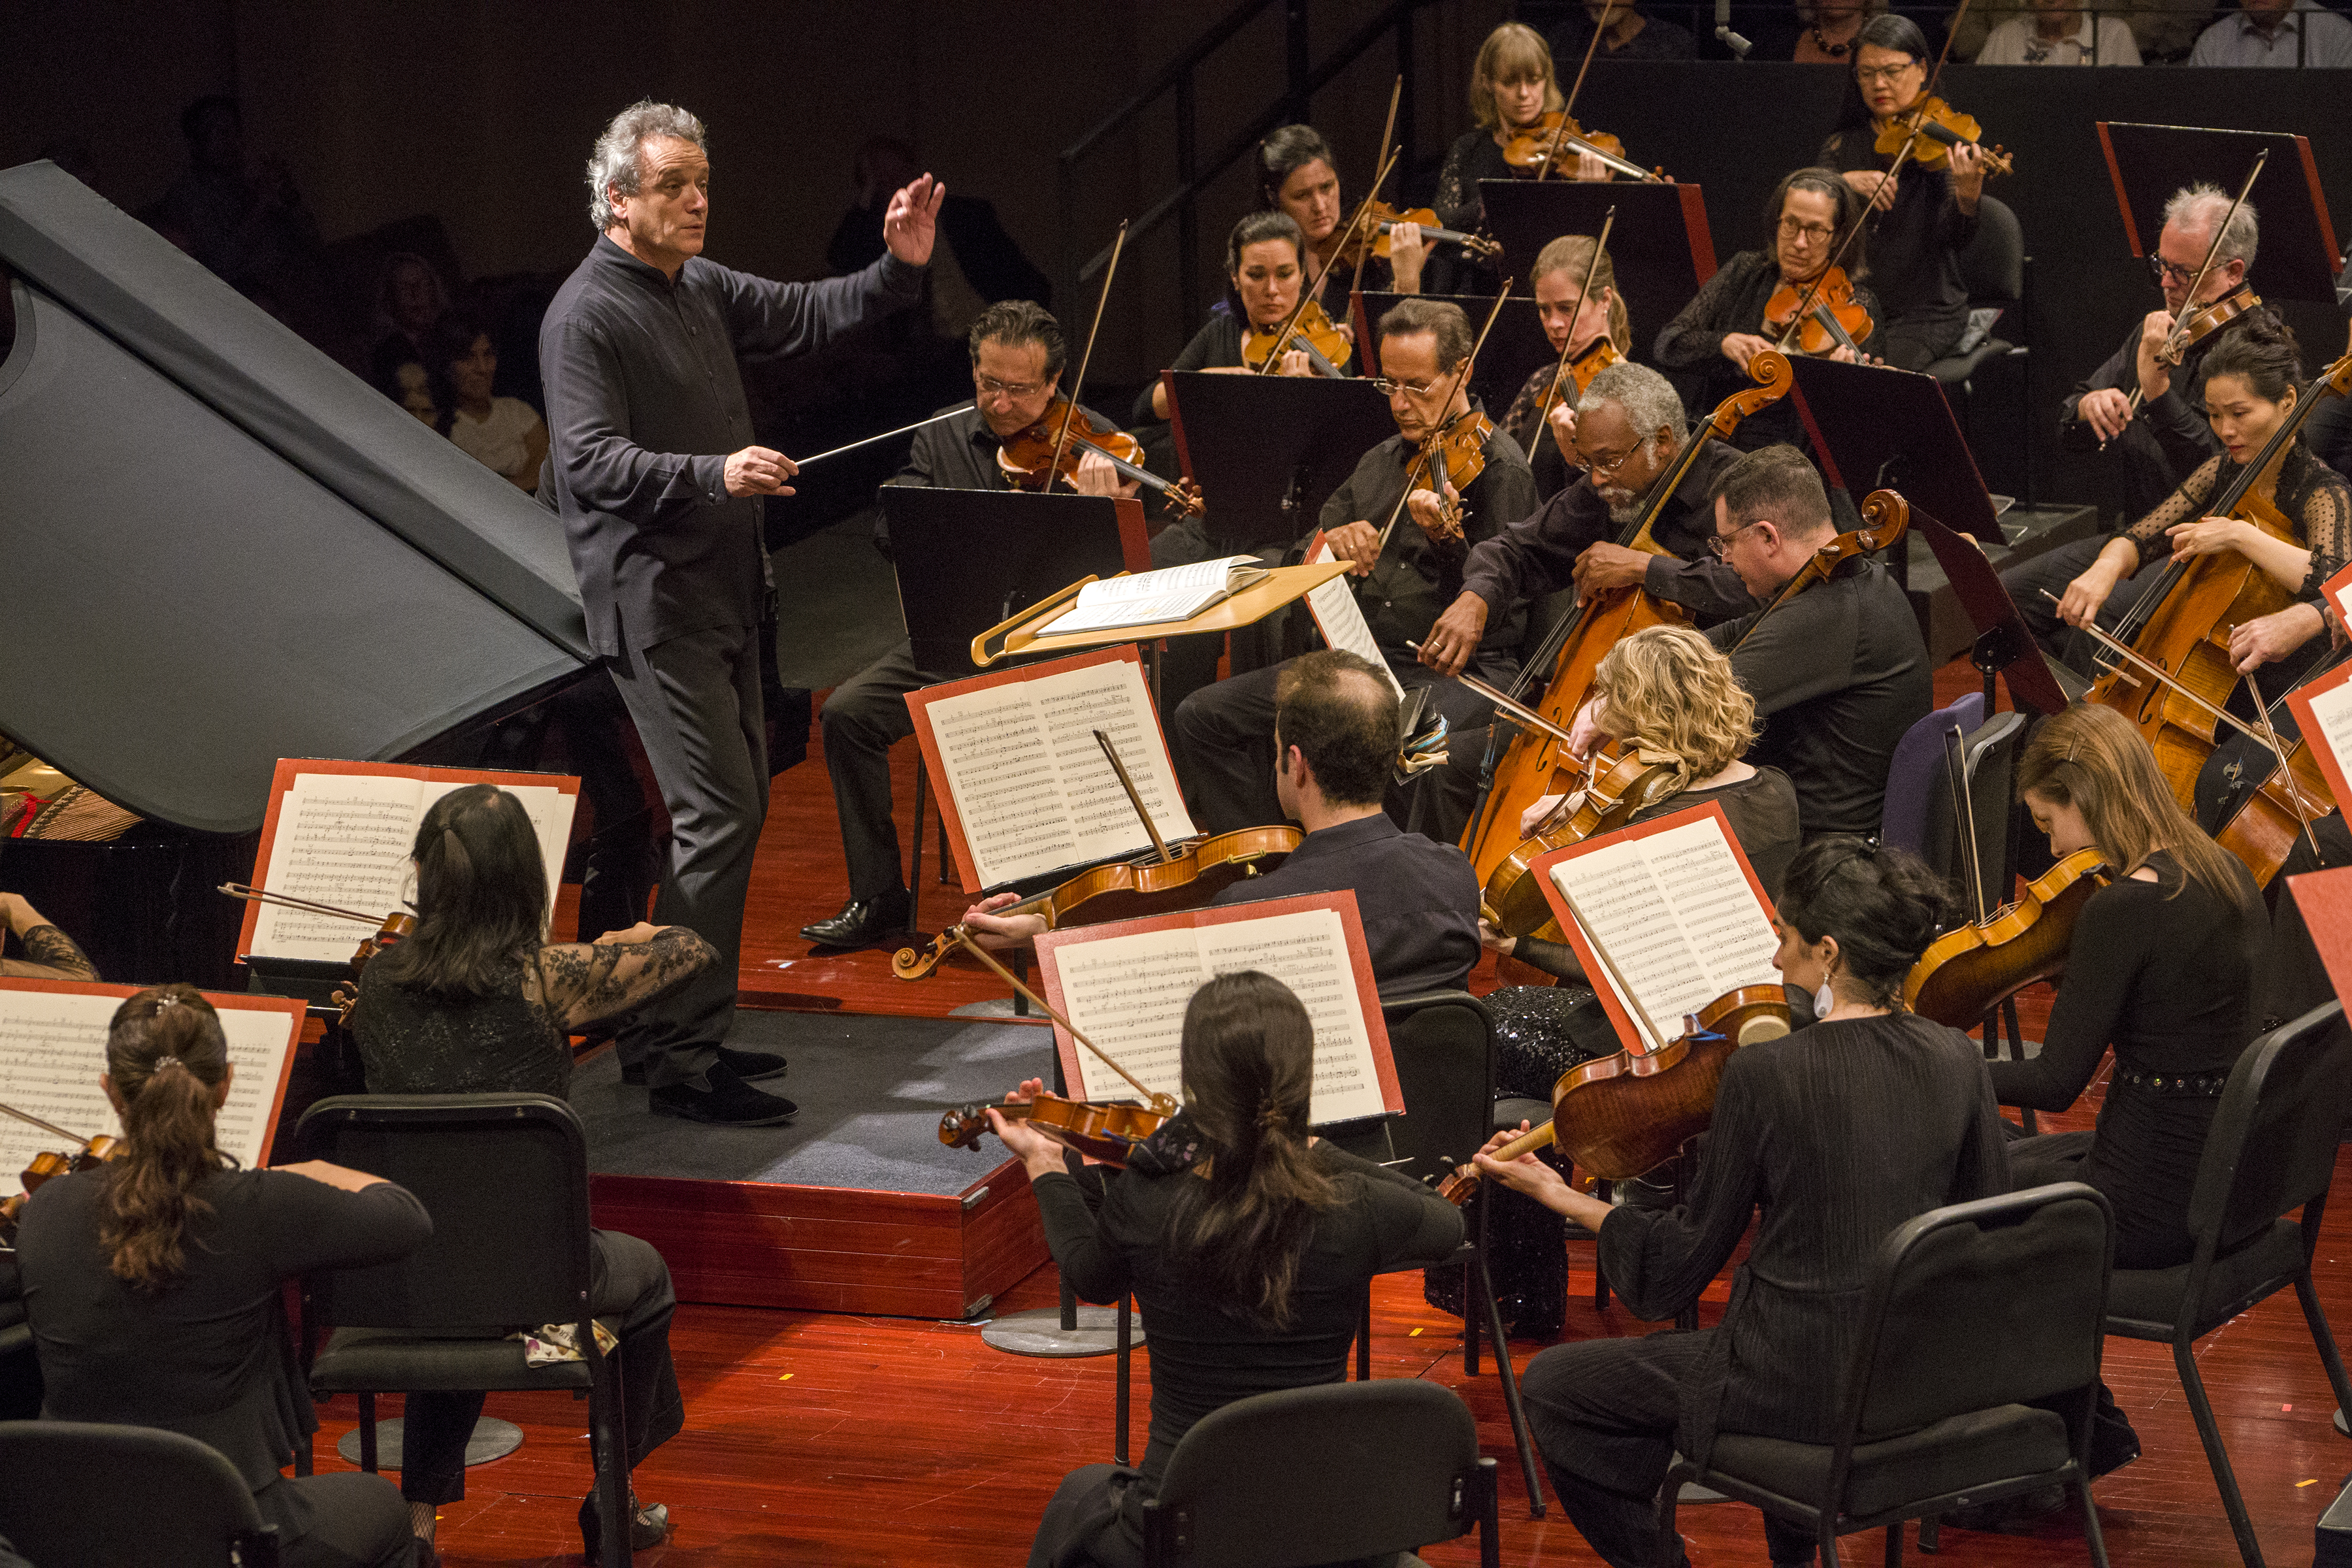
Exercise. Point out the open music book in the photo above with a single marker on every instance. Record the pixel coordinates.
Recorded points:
(1022, 781)
(1126, 985)
(1149, 598)
(53, 1051)
(1666, 917)
(2323, 709)
(340, 832)
(1340, 618)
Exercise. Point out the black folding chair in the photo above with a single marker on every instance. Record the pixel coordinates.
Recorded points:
(79, 1492)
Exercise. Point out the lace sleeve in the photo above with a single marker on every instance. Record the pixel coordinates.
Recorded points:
(580, 983)
(2326, 519)
(50, 953)
(1457, 201)
(2183, 505)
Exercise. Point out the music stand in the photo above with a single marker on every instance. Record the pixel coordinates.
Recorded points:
(2004, 646)
(1660, 244)
(2299, 255)
(1875, 427)
(1266, 452)
(1514, 349)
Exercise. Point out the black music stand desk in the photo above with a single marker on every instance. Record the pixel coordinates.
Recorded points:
(1660, 244)
(2299, 257)
(1267, 451)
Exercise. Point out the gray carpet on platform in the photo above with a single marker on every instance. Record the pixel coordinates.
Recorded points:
(871, 1091)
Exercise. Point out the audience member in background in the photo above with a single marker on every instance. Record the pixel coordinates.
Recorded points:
(1512, 85)
(975, 262)
(2060, 33)
(155, 1283)
(246, 221)
(1626, 33)
(48, 954)
(505, 434)
(1298, 174)
(1247, 1243)
(411, 297)
(416, 388)
(476, 1001)
(2275, 33)
(1819, 34)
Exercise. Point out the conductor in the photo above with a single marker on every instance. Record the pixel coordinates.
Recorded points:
(659, 485)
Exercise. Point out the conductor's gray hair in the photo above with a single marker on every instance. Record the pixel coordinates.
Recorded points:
(2200, 206)
(1647, 398)
(615, 163)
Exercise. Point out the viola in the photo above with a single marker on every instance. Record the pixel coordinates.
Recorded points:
(1454, 455)
(1381, 217)
(1630, 1111)
(1556, 138)
(2201, 321)
(1821, 318)
(1100, 1131)
(1571, 650)
(1967, 973)
(1196, 871)
(1931, 129)
(1575, 376)
(1616, 791)
(1886, 518)
(1025, 460)
(1326, 346)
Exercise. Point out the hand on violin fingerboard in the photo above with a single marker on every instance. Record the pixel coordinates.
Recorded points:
(996, 930)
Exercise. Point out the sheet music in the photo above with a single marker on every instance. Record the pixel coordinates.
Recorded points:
(343, 839)
(53, 1051)
(1341, 619)
(1033, 789)
(1127, 993)
(2333, 710)
(1149, 598)
(1677, 918)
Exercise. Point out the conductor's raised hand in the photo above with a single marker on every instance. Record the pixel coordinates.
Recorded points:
(1358, 543)
(1454, 635)
(758, 471)
(911, 223)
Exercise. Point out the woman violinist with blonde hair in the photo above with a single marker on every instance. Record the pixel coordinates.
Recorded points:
(1579, 316)
(1512, 85)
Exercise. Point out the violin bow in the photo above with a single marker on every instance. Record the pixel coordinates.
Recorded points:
(1110, 270)
(1461, 375)
(1560, 137)
(1659, 1038)
(1396, 93)
(962, 936)
(1964, 797)
(1134, 797)
(2287, 773)
(256, 896)
(1506, 702)
(50, 1127)
(1583, 292)
(2175, 339)
(1315, 289)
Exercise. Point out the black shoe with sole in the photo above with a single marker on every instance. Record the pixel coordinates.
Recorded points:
(862, 923)
(648, 1527)
(729, 1101)
(749, 1066)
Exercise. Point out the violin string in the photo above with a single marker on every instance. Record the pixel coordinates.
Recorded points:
(1110, 271)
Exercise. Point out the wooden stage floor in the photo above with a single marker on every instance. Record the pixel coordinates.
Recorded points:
(844, 1440)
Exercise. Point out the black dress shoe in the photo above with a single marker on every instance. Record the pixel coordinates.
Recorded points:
(862, 923)
(751, 1066)
(648, 1527)
(729, 1101)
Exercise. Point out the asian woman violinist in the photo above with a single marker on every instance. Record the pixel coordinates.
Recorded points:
(1247, 1243)
(1589, 323)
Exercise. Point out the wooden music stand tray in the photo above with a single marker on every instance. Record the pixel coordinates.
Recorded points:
(1280, 586)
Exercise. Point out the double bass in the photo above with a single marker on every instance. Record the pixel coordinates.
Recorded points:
(1537, 763)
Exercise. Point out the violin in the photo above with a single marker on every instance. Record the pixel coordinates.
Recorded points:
(1931, 129)
(1537, 151)
(1327, 347)
(1574, 376)
(1617, 789)
(1381, 217)
(1196, 871)
(1106, 1131)
(1454, 454)
(1025, 460)
(47, 1165)
(397, 926)
(1821, 318)
(2201, 321)
(1967, 973)
(1630, 1111)
(1886, 518)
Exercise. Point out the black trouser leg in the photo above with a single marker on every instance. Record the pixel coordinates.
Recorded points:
(1224, 753)
(861, 720)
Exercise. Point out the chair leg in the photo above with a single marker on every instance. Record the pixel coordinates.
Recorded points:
(1471, 1320)
(610, 1453)
(2092, 1535)
(1518, 1412)
(303, 1457)
(1931, 1534)
(2184, 1359)
(367, 1432)
(1894, 1544)
(1126, 1349)
(1670, 1494)
(1364, 1340)
(2321, 1337)
(1829, 1550)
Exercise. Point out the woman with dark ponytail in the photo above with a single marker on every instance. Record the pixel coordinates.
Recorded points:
(1839, 1133)
(154, 1282)
(477, 1002)
(1247, 1243)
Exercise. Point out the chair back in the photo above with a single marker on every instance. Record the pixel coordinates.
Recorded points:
(504, 1177)
(1918, 763)
(1992, 263)
(1989, 760)
(1999, 1301)
(2271, 1147)
(1327, 1474)
(81, 1492)
(1443, 1043)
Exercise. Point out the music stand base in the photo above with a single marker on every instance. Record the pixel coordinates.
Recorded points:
(1040, 1333)
(492, 1439)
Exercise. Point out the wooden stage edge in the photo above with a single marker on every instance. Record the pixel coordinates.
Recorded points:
(833, 1249)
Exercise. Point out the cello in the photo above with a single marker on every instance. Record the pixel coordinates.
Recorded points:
(1570, 651)
(2179, 679)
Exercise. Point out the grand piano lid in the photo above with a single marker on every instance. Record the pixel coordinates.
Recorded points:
(219, 548)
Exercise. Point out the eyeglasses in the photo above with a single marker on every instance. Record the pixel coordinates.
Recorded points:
(1596, 465)
(2165, 272)
(1811, 233)
(1388, 388)
(1719, 545)
(1868, 74)
(992, 387)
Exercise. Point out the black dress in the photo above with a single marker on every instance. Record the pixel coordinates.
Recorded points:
(1204, 1356)
(1914, 253)
(1690, 347)
(1475, 156)
(2164, 971)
